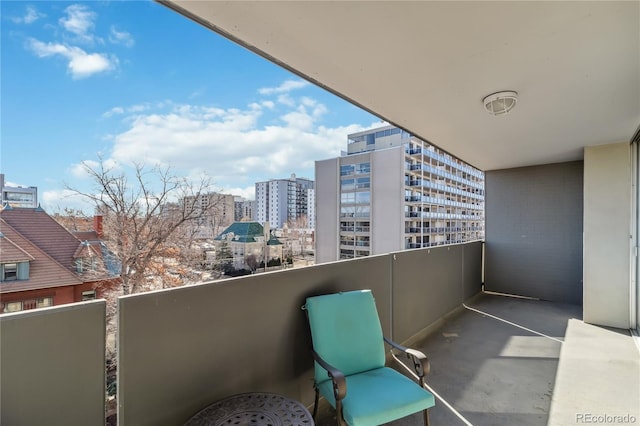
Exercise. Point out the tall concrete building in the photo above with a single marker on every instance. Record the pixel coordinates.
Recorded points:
(221, 212)
(392, 191)
(18, 196)
(281, 201)
(243, 209)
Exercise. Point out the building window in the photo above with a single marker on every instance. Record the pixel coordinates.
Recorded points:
(88, 295)
(363, 197)
(14, 271)
(347, 184)
(86, 264)
(363, 168)
(9, 272)
(23, 305)
(43, 302)
(363, 183)
(12, 306)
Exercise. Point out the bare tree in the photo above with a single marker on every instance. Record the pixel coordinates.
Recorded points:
(73, 220)
(147, 219)
(252, 262)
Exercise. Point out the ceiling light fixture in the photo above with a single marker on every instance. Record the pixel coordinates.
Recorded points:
(500, 102)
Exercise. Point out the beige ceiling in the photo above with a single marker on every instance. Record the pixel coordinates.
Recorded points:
(426, 66)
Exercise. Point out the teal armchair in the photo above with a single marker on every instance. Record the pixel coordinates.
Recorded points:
(350, 371)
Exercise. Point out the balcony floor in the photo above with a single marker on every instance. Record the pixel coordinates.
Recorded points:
(511, 361)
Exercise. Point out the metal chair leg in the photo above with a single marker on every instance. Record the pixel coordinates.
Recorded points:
(426, 417)
(315, 406)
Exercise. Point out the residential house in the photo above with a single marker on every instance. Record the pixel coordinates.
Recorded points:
(245, 239)
(43, 264)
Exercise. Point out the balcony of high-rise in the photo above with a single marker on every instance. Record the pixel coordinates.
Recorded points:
(534, 325)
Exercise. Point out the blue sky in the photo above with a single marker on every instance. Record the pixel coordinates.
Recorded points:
(133, 80)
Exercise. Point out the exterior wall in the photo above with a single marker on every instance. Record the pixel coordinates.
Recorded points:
(311, 208)
(214, 331)
(327, 174)
(607, 231)
(387, 200)
(534, 219)
(53, 366)
(278, 197)
(61, 295)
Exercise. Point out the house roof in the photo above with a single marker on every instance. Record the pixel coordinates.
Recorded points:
(30, 234)
(35, 225)
(11, 252)
(243, 232)
(273, 241)
(246, 232)
(44, 271)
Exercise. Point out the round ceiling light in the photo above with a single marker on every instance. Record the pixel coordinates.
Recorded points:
(500, 102)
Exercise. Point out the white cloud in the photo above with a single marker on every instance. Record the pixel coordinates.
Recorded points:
(79, 21)
(79, 170)
(134, 109)
(285, 87)
(113, 111)
(286, 100)
(31, 15)
(55, 201)
(248, 192)
(80, 63)
(121, 37)
(230, 145)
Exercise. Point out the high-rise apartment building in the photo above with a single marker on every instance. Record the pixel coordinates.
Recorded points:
(18, 196)
(243, 209)
(281, 201)
(391, 192)
(220, 214)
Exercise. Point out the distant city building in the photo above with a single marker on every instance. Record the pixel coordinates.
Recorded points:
(282, 201)
(243, 209)
(18, 196)
(297, 241)
(391, 192)
(221, 212)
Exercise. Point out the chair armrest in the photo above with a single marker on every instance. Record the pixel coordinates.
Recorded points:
(420, 361)
(336, 376)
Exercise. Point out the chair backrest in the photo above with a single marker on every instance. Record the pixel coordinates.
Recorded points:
(346, 332)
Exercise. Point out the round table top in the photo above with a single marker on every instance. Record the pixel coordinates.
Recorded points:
(255, 408)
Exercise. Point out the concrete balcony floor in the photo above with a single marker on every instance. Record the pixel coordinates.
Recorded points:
(511, 361)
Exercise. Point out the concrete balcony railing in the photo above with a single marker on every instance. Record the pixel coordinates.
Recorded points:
(181, 349)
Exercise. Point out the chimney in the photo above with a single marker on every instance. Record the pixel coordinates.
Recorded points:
(97, 225)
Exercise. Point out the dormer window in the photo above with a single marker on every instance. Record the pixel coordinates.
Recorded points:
(14, 271)
(86, 264)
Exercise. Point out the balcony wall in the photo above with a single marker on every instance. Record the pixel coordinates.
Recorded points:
(534, 231)
(52, 365)
(181, 349)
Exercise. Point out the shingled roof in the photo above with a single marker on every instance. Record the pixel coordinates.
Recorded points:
(44, 271)
(246, 232)
(30, 234)
(243, 232)
(37, 226)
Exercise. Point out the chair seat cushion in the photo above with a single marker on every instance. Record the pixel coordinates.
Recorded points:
(379, 396)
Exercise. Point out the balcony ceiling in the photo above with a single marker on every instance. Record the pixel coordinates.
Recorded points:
(426, 66)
